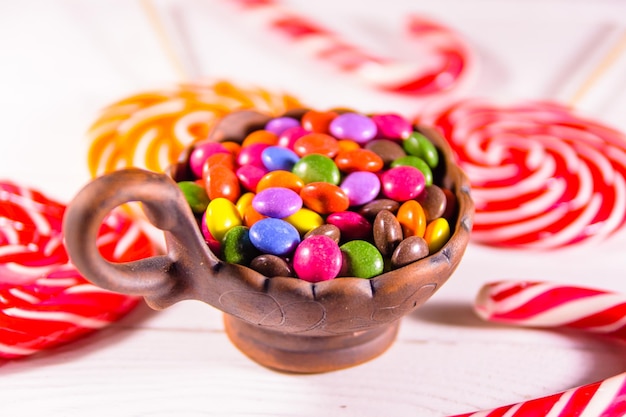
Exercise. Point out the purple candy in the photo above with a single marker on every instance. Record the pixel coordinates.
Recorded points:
(279, 124)
(361, 187)
(277, 202)
(354, 126)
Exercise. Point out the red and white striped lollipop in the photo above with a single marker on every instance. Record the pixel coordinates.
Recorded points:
(542, 176)
(539, 304)
(44, 301)
(442, 61)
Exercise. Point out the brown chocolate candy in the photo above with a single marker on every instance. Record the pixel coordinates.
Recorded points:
(329, 230)
(388, 150)
(237, 125)
(271, 266)
(387, 232)
(371, 209)
(411, 249)
(433, 200)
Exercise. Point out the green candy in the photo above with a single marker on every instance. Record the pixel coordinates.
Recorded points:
(362, 258)
(418, 145)
(195, 195)
(415, 162)
(317, 168)
(236, 246)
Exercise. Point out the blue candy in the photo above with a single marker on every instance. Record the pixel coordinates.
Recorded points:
(277, 202)
(274, 236)
(279, 158)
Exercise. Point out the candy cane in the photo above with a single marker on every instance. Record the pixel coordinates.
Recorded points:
(442, 61)
(539, 304)
(542, 176)
(151, 129)
(44, 301)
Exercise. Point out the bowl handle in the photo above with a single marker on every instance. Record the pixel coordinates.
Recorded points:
(160, 279)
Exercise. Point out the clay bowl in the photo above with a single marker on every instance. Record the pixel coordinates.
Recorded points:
(283, 323)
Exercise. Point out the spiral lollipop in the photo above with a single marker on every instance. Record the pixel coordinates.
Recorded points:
(44, 301)
(150, 129)
(542, 176)
(540, 304)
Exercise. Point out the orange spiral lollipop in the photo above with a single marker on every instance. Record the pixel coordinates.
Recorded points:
(150, 129)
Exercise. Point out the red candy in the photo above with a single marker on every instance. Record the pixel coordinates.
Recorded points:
(316, 121)
(44, 301)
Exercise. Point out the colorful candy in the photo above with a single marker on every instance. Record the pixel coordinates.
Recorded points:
(317, 258)
(542, 176)
(274, 236)
(362, 259)
(542, 304)
(44, 301)
(151, 129)
(332, 191)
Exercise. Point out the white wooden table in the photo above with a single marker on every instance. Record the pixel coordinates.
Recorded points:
(63, 60)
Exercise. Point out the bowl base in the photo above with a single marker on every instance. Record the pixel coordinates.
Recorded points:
(299, 353)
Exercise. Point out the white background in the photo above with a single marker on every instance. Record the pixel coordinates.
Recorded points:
(63, 60)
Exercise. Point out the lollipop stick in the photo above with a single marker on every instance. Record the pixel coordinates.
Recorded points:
(164, 38)
(600, 70)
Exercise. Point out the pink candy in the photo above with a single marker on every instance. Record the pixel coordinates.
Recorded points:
(402, 183)
(317, 258)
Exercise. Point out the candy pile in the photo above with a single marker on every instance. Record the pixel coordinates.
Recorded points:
(542, 304)
(43, 299)
(317, 194)
(150, 129)
(541, 175)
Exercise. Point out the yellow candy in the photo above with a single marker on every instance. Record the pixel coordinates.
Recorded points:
(305, 220)
(437, 234)
(244, 202)
(221, 216)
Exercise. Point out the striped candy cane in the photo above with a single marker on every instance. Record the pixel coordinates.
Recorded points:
(442, 61)
(539, 304)
(44, 301)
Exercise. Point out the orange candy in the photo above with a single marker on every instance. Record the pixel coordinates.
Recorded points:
(222, 182)
(358, 160)
(260, 136)
(324, 197)
(280, 178)
(320, 143)
(412, 219)
(317, 121)
(223, 159)
(347, 145)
